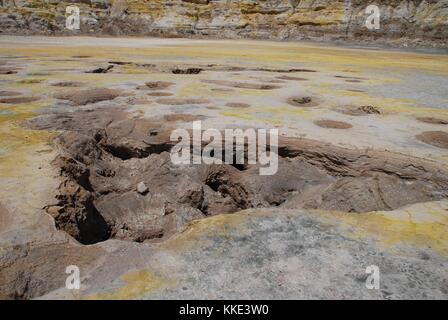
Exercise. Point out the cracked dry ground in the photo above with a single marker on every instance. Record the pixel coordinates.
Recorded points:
(362, 175)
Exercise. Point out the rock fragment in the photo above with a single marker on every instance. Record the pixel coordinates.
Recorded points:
(301, 101)
(102, 70)
(361, 110)
(83, 97)
(157, 85)
(187, 71)
(142, 188)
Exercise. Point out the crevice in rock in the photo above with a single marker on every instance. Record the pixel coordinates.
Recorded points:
(187, 71)
(102, 167)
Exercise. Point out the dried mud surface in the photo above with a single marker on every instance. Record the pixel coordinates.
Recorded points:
(435, 138)
(432, 120)
(332, 124)
(88, 96)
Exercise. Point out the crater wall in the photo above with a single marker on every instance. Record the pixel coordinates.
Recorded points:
(407, 23)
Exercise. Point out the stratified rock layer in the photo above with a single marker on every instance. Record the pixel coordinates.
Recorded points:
(421, 22)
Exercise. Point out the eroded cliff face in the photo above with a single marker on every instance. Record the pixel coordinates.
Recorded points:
(408, 22)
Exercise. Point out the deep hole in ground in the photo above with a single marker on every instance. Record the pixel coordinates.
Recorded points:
(104, 155)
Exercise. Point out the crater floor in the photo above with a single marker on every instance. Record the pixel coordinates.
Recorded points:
(362, 179)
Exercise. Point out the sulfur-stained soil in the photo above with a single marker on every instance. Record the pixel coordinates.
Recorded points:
(86, 176)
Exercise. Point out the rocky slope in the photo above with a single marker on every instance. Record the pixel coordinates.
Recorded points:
(407, 22)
